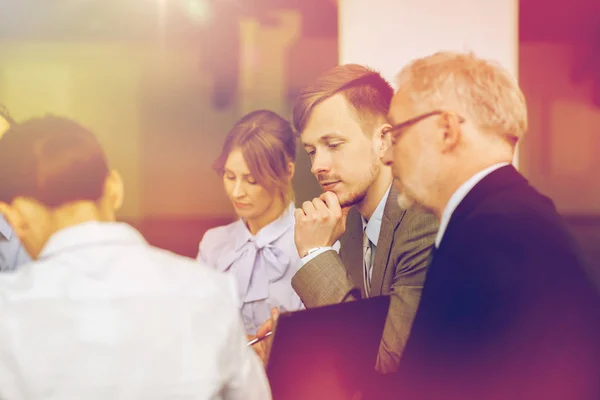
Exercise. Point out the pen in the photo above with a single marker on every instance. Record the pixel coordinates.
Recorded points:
(258, 339)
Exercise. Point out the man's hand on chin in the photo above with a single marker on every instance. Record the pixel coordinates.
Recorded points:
(319, 223)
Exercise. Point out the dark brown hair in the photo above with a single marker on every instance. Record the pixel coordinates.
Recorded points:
(52, 160)
(366, 91)
(267, 143)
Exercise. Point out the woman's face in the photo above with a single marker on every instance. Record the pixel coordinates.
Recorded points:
(250, 200)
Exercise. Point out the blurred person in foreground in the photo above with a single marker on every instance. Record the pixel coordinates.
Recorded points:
(100, 314)
(508, 310)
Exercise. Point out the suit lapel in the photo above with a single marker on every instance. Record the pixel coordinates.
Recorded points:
(392, 214)
(351, 249)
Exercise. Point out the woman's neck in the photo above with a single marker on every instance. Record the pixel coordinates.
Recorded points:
(256, 224)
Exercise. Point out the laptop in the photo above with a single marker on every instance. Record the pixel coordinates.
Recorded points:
(326, 352)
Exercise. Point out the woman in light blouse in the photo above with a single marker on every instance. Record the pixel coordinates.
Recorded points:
(257, 166)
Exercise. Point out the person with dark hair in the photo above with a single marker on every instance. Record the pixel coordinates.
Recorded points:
(100, 314)
(383, 249)
(12, 253)
(257, 167)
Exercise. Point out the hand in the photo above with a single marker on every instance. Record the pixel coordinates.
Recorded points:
(319, 223)
(263, 348)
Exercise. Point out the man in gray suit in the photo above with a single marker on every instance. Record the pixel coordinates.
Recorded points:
(383, 249)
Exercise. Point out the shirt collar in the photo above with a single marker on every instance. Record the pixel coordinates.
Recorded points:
(267, 234)
(373, 226)
(90, 234)
(459, 195)
(5, 229)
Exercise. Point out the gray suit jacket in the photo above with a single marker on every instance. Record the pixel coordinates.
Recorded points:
(401, 257)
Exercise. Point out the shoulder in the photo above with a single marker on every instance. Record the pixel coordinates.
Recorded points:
(220, 237)
(522, 214)
(416, 227)
(287, 244)
(514, 231)
(221, 233)
(416, 220)
(192, 278)
(506, 201)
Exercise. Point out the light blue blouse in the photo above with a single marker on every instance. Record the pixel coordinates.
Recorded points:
(263, 265)
(12, 253)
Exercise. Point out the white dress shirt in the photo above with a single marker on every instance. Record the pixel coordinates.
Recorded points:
(103, 315)
(458, 196)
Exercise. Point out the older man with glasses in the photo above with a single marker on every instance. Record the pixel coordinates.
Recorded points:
(507, 309)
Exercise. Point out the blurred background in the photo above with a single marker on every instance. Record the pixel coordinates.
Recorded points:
(162, 81)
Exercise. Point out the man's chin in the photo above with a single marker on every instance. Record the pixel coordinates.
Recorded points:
(405, 202)
(338, 193)
(349, 199)
(408, 203)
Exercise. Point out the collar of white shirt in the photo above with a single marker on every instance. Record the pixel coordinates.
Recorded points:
(90, 234)
(458, 197)
(373, 226)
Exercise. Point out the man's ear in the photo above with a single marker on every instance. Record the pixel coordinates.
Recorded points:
(14, 219)
(114, 190)
(452, 131)
(382, 140)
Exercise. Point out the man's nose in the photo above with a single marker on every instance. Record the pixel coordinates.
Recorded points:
(321, 163)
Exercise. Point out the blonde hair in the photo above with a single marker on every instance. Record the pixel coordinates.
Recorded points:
(482, 89)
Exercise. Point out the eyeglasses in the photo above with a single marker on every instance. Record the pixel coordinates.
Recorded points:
(395, 131)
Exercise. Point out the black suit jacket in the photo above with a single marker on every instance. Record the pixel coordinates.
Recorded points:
(507, 310)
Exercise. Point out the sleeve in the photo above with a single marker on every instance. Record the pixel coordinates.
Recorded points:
(307, 258)
(324, 280)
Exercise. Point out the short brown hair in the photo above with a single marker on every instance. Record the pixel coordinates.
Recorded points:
(52, 160)
(367, 92)
(267, 143)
